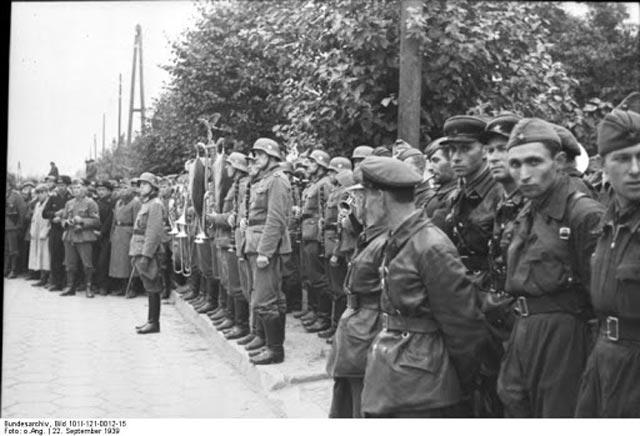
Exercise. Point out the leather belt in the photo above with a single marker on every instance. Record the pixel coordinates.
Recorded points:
(257, 222)
(138, 232)
(408, 324)
(615, 329)
(331, 226)
(570, 301)
(366, 301)
(119, 224)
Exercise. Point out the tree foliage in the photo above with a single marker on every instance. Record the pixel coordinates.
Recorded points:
(325, 73)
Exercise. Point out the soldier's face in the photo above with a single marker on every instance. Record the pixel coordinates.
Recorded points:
(253, 168)
(77, 190)
(622, 168)
(102, 192)
(533, 169)
(496, 154)
(262, 160)
(441, 167)
(145, 188)
(312, 168)
(42, 196)
(332, 176)
(466, 157)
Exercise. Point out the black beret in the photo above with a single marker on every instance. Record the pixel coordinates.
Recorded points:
(388, 173)
(532, 130)
(502, 125)
(619, 129)
(464, 128)
(64, 180)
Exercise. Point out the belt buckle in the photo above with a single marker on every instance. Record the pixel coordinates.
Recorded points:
(385, 321)
(613, 329)
(521, 306)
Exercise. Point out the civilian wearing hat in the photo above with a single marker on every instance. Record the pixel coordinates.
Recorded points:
(39, 259)
(423, 361)
(548, 268)
(267, 240)
(146, 245)
(14, 212)
(314, 269)
(124, 215)
(53, 210)
(80, 218)
(416, 160)
(102, 246)
(445, 180)
(24, 237)
(53, 171)
(609, 385)
(473, 207)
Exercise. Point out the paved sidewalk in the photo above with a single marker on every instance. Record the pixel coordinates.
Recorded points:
(79, 357)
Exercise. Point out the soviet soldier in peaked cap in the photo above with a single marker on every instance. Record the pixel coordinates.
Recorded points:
(436, 205)
(610, 382)
(424, 360)
(267, 240)
(548, 274)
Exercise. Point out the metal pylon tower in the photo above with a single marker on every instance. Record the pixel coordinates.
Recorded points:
(137, 60)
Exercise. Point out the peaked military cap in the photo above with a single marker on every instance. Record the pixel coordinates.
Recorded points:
(42, 187)
(79, 181)
(502, 125)
(434, 146)
(464, 128)
(532, 130)
(105, 184)
(388, 173)
(381, 151)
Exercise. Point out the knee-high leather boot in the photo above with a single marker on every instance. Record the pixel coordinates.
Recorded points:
(88, 273)
(70, 288)
(259, 335)
(274, 331)
(153, 326)
(229, 321)
(241, 327)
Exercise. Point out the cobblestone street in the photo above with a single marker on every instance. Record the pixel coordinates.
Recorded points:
(79, 357)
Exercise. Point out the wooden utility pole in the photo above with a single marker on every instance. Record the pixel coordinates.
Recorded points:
(137, 61)
(410, 79)
(95, 147)
(119, 108)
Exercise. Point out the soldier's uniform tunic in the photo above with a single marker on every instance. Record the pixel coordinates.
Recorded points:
(422, 363)
(610, 383)
(124, 215)
(79, 241)
(437, 204)
(314, 199)
(358, 325)
(146, 241)
(548, 273)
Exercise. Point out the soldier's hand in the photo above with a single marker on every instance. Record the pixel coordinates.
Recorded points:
(262, 261)
(56, 219)
(144, 262)
(243, 224)
(77, 219)
(334, 260)
(231, 220)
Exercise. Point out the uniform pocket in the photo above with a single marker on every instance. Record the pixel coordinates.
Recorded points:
(628, 276)
(548, 273)
(260, 199)
(309, 230)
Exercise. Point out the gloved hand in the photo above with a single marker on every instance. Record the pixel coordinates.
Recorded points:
(144, 262)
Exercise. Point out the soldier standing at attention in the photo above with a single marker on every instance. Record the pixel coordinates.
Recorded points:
(473, 208)
(102, 254)
(610, 382)
(14, 212)
(548, 274)
(146, 245)
(80, 218)
(314, 200)
(424, 361)
(53, 211)
(267, 240)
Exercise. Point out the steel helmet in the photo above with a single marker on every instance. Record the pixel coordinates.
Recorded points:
(320, 157)
(238, 161)
(340, 163)
(361, 151)
(150, 178)
(269, 146)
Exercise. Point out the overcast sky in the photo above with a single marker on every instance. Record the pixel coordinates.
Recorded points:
(65, 58)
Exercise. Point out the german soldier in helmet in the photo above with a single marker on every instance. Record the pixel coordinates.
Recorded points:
(609, 386)
(548, 269)
(146, 245)
(267, 240)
